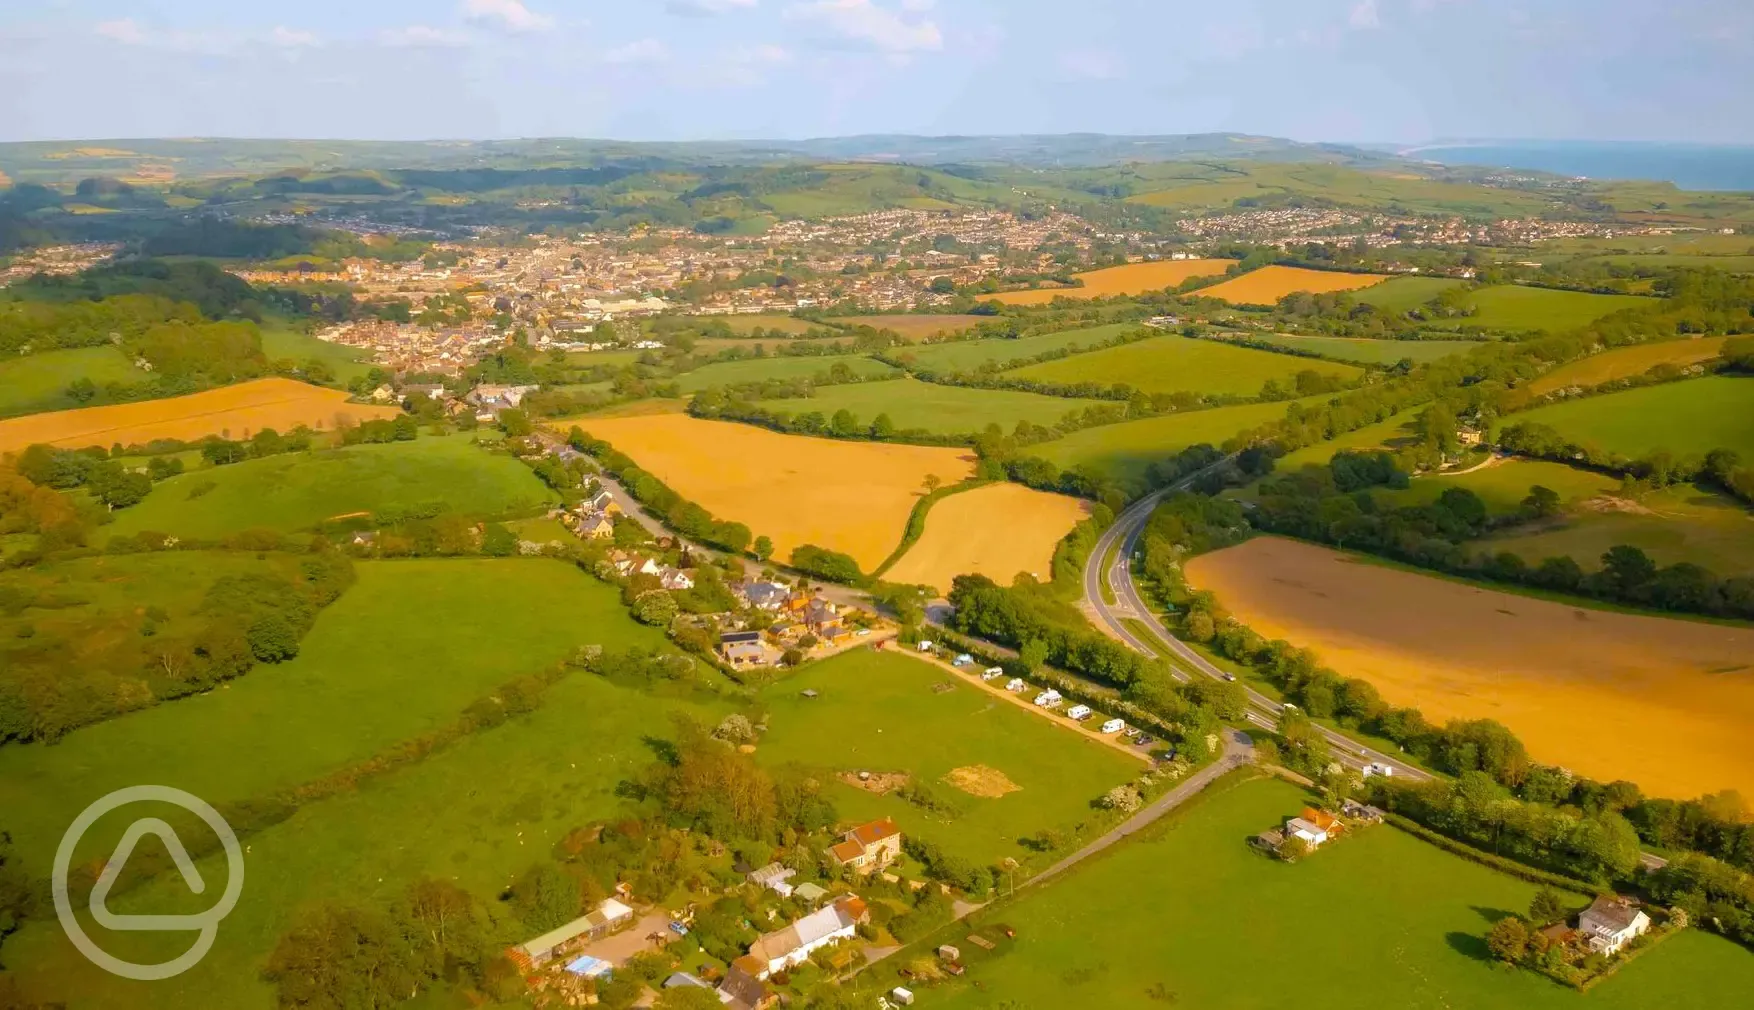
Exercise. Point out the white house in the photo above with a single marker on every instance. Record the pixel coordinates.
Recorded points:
(1306, 830)
(1609, 923)
(793, 945)
(1113, 726)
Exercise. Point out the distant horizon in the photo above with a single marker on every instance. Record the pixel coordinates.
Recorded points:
(1397, 145)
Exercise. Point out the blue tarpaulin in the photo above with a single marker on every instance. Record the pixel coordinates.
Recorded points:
(590, 967)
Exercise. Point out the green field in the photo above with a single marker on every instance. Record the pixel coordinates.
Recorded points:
(977, 355)
(1393, 434)
(743, 325)
(730, 373)
(1669, 261)
(1677, 524)
(1189, 916)
(32, 383)
(404, 651)
(477, 814)
(299, 490)
(1504, 485)
(877, 712)
(947, 410)
(1514, 308)
(1404, 294)
(1173, 364)
(1694, 416)
(1123, 451)
(282, 343)
(1372, 352)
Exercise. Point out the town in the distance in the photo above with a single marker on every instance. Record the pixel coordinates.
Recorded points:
(965, 571)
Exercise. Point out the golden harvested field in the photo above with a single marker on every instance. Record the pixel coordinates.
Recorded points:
(1563, 678)
(1269, 284)
(1624, 362)
(852, 497)
(232, 412)
(915, 327)
(749, 324)
(1132, 279)
(997, 531)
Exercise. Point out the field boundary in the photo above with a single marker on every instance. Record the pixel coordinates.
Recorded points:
(1490, 861)
(916, 520)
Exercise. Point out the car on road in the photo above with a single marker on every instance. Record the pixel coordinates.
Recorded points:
(1230, 677)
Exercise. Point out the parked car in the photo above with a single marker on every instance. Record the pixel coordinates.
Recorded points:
(678, 928)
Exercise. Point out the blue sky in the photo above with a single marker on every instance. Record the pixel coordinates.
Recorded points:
(1344, 70)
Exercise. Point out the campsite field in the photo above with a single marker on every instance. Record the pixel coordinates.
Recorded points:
(978, 355)
(1172, 364)
(1625, 362)
(299, 490)
(1692, 416)
(1681, 523)
(1514, 308)
(1404, 294)
(232, 412)
(941, 410)
(1123, 451)
(1560, 676)
(1403, 926)
(1132, 279)
(880, 712)
(1271, 283)
(1372, 352)
(36, 382)
(402, 652)
(915, 327)
(997, 531)
(729, 373)
(477, 813)
(852, 497)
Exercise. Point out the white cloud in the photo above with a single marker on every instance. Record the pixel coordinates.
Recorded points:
(293, 38)
(645, 51)
(126, 31)
(1093, 65)
(706, 8)
(510, 15)
(422, 37)
(865, 25)
(1364, 15)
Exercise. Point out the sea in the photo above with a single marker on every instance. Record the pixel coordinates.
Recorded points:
(1689, 166)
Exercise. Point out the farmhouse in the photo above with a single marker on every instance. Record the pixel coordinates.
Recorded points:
(743, 988)
(1610, 922)
(792, 946)
(608, 917)
(869, 847)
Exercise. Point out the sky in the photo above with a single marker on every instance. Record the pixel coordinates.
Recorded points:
(1392, 71)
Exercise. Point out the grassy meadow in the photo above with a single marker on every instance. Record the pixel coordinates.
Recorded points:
(35, 382)
(1189, 916)
(977, 355)
(879, 712)
(730, 373)
(1681, 523)
(299, 490)
(1504, 485)
(1268, 284)
(1172, 364)
(1693, 416)
(1372, 352)
(283, 343)
(1404, 294)
(1514, 308)
(945, 410)
(915, 326)
(1123, 451)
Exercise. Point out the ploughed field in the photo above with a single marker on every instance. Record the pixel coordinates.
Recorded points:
(1562, 677)
(1269, 284)
(1171, 364)
(852, 497)
(232, 412)
(998, 531)
(1132, 279)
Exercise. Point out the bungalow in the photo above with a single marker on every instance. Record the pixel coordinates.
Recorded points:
(1312, 835)
(743, 648)
(1610, 922)
(869, 846)
(793, 945)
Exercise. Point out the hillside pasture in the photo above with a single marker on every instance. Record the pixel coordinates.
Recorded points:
(732, 373)
(1404, 927)
(998, 531)
(1271, 283)
(298, 491)
(1394, 434)
(31, 383)
(978, 355)
(879, 712)
(1404, 294)
(1131, 279)
(1626, 362)
(282, 343)
(1371, 352)
(1122, 452)
(1692, 416)
(1562, 677)
(915, 327)
(232, 412)
(1678, 524)
(744, 325)
(940, 410)
(852, 497)
(1171, 364)
(1514, 308)
(1503, 484)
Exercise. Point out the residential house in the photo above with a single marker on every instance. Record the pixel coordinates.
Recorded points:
(769, 596)
(1610, 922)
(743, 648)
(773, 876)
(745, 987)
(675, 579)
(604, 503)
(597, 527)
(1315, 827)
(869, 847)
(793, 945)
